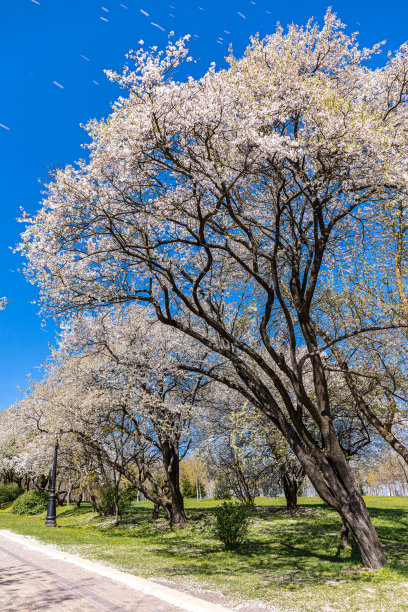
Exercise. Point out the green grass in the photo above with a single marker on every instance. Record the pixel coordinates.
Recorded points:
(289, 561)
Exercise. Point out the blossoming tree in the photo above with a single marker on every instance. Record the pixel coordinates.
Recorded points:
(226, 202)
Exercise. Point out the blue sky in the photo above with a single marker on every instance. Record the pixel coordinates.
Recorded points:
(53, 55)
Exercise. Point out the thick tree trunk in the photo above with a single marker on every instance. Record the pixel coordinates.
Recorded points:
(344, 535)
(155, 513)
(177, 515)
(171, 462)
(356, 515)
(290, 488)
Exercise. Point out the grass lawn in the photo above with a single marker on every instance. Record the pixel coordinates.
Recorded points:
(288, 561)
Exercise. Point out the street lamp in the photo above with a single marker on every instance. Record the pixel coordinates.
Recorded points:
(51, 517)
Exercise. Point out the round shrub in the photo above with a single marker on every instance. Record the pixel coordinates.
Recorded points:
(232, 524)
(8, 493)
(34, 501)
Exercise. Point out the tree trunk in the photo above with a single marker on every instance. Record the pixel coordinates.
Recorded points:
(93, 502)
(331, 476)
(344, 535)
(155, 513)
(290, 488)
(171, 462)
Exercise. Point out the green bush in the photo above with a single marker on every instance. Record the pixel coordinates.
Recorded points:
(34, 501)
(232, 524)
(8, 493)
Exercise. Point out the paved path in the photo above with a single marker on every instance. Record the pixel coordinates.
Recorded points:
(37, 577)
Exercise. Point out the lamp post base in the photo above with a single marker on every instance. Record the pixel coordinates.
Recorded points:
(50, 523)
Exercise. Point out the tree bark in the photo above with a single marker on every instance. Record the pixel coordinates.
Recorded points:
(344, 535)
(290, 489)
(171, 462)
(155, 513)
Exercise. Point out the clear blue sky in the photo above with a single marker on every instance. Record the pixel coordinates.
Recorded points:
(48, 89)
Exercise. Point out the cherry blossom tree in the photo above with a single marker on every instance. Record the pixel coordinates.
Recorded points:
(227, 203)
(114, 382)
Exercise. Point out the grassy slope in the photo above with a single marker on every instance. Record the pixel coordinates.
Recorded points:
(288, 561)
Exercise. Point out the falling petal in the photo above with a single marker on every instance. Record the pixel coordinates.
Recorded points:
(103, 19)
(5, 127)
(241, 15)
(85, 58)
(58, 84)
(156, 25)
(144, 12)
(105, 9)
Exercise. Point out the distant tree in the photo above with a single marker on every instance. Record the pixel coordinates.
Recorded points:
(222, 490)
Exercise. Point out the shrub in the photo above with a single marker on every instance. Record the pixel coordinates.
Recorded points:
(34, 501)
(8, 493)
(232, 524)
(107, 501)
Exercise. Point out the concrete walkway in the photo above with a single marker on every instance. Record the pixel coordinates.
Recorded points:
(34, 576)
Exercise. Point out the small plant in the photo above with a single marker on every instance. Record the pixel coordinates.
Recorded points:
(34, 501)
(8, 493)
(232, 524)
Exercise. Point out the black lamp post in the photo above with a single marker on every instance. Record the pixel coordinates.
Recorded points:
(50, 520)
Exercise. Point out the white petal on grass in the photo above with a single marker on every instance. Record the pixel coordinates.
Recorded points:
(241, 15)
(85, 58)
(156, 25)
(58, 84)
(103, 19)
(144, 12)
(5, 127)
